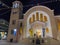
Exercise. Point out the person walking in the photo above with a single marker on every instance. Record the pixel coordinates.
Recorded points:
(38, 41)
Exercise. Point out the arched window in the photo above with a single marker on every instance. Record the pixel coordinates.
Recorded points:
(31, 20)
(47, 30)
(45, 18)
(31, 32)
(37, 16)
(21, 30)
(16, 5)
(41, 17)
(33, 17)
(58, 25)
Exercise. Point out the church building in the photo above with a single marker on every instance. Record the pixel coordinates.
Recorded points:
(37, 21)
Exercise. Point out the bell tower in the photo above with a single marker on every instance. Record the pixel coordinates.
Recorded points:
(16, 14)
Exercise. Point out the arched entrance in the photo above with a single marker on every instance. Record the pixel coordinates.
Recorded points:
(37, 29)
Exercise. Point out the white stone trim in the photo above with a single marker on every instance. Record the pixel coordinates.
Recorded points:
(37, 7)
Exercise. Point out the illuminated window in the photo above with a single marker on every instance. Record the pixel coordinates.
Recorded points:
(41, 17)
(13, 32)
(47, 30)
(31, 20)
(20, 30)
(58, 26)
(16, 5)
(45, 18)
(31, 32)
(37, 16)
(33, 17)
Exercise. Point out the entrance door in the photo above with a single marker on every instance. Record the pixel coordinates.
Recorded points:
(38, 33)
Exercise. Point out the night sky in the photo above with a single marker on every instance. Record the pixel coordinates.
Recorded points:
(5, 12)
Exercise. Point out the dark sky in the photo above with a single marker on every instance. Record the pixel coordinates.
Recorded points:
(5, 12)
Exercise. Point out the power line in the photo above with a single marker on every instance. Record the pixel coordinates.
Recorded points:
(25, 5)
(3, 4)
(4, 8)
(40, 3)
(28, 5)
(4, 12)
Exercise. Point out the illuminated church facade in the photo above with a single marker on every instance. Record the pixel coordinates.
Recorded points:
(38, 20)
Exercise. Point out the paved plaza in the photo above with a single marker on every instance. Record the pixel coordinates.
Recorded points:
(4, 42)
(28, 42)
